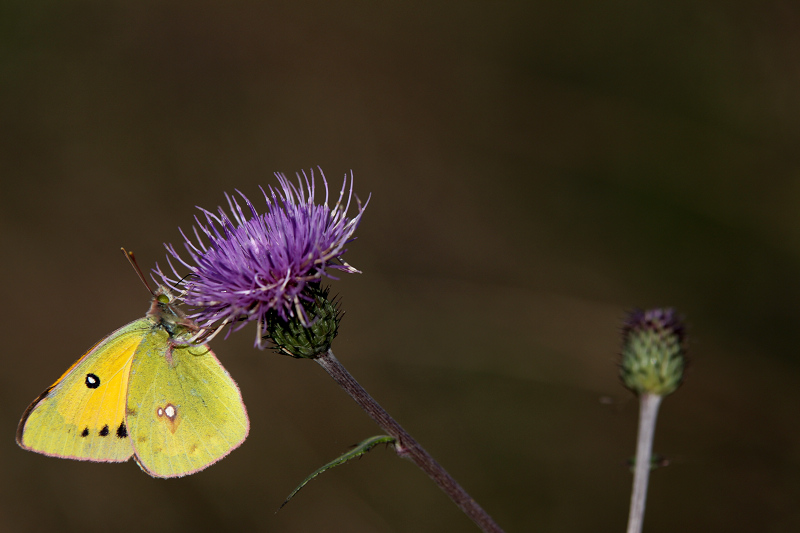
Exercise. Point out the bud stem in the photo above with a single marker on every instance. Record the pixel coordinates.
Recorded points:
(406, 446)
(648, 411)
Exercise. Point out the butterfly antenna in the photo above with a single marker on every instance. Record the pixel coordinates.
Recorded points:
(135, 265)
(182, 280)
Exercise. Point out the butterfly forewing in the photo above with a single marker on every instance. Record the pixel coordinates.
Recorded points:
(184, 410)
(82, 415)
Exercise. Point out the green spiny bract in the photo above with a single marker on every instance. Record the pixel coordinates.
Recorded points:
(293, 337)
(653, 352)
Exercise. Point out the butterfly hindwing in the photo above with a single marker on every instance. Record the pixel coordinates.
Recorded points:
(184, 410)
(82, 415)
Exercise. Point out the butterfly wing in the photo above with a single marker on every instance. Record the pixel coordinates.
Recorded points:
(184, 411)
(82, 415)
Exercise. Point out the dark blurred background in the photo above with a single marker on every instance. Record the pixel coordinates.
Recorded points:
(536, 169)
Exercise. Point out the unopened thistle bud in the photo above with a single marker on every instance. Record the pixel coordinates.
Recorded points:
(297, 338)
(653, 351)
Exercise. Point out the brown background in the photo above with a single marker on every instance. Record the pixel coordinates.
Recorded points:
(536, 168)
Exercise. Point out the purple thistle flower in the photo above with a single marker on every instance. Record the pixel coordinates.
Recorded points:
(254, 263)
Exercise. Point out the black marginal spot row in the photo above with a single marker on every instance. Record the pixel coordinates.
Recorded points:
(122, 431)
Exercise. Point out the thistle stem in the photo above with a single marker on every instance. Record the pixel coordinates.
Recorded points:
(406, 446)
(648, 411)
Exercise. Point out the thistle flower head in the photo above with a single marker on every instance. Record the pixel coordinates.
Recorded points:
(244, 264)
(653, 351)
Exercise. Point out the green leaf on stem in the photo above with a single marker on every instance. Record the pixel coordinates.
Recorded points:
(357, 451)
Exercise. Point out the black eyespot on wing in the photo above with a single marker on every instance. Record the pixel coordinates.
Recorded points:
(104, 431)
(92, 381)
(85, 432)
(122, 431)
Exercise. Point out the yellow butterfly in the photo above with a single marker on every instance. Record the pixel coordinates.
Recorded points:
(141, 392)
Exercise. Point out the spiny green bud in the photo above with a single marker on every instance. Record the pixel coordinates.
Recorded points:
(653, 348)
(309, 336)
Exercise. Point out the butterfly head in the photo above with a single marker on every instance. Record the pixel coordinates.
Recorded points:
(165, 313)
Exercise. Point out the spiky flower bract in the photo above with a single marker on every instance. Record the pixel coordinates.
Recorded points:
(245, 266)
(292, 337)
(653, 351)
